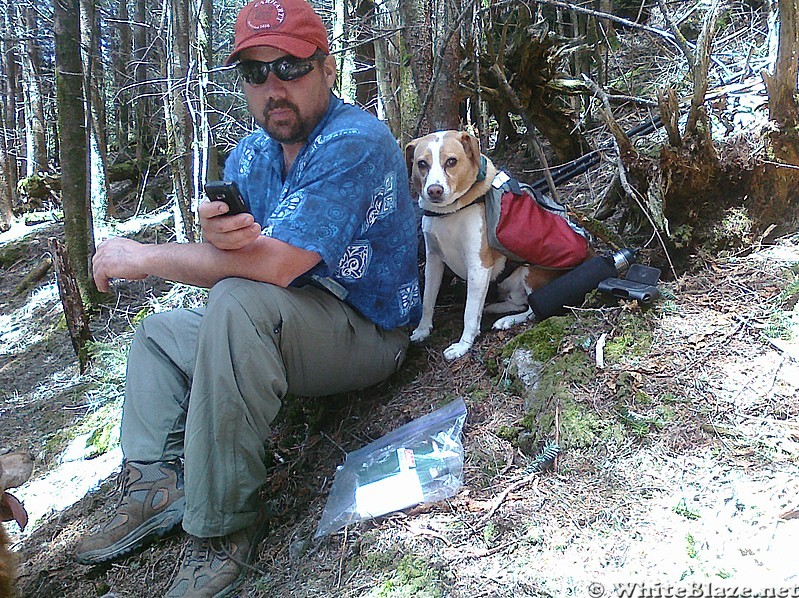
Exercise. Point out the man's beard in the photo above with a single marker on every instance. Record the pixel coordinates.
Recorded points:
(293, 132)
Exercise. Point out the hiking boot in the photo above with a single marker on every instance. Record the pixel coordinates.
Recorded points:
(151, 504)
(215, 567)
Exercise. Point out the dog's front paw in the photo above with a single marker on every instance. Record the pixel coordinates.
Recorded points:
(421, 333)
(512, 320)
(456, 350)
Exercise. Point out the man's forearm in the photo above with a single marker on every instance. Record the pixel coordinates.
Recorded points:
(201, 264)
(198, 264)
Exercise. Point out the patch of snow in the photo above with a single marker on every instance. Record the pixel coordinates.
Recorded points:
(23, 328)
(20, 230)
(66, 484)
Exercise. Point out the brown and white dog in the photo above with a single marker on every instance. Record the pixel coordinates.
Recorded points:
(15, 469)
(445, 173)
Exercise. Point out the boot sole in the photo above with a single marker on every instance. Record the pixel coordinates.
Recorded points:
(152, 529)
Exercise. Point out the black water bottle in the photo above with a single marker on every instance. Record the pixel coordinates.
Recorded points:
(570, 289)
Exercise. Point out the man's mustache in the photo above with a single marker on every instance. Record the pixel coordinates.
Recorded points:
(273, 104)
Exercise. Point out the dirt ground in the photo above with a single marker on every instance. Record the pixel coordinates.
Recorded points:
(700, 493)
(678, 469)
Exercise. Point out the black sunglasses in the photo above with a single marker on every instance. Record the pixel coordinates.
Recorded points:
(285, 68)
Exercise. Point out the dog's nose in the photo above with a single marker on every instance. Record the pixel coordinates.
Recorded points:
(434, 192)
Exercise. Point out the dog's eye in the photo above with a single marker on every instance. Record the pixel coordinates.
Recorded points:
(450, 162)
(422, 165)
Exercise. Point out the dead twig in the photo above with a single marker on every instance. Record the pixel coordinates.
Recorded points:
(529, 479)
(341, 556)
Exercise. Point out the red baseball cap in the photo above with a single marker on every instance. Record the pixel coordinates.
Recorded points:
(289, 25)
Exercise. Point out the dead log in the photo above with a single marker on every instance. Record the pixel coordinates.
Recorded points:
(42, 185)
(38, 272)
(74, 312)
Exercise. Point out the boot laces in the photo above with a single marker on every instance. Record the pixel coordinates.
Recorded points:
(198, 552)
(123, 481)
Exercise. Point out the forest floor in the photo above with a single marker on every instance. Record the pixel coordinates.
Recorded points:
(687, 472)
(678, 425)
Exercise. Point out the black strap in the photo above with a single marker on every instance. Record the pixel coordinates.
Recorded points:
(481, 199)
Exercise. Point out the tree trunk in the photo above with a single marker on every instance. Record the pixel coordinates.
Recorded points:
(11, 146)
(72, 132)
(34, 108)
(176, 58)
(775, 186)
(388, 67)
(204, 155)
(97, 185)
(122, 78)
(141, 97)
(6, 197)
(444, 108)
(365, 75)
(418, 44)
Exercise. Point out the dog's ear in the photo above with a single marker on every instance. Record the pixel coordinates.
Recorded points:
(409, 150)
(471, 146)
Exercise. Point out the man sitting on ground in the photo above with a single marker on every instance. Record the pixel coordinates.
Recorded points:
(311, 294)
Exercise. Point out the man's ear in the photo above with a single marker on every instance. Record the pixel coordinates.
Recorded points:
(329, 70)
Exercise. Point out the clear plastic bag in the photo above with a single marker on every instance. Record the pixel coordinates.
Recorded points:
(421, 461)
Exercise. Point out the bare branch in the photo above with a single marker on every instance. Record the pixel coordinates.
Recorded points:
(682, 43)
(496, 70)
(632, 193)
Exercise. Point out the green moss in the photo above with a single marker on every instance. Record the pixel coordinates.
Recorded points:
(11, 253)
(579, 426)
(101, 428)
(509, 433)
(140, 315)
(632, 337)
(105, 435)
(734, 230)
(543, 339)
(614, 432)
(683, 510)
(378, 561)
(490, 533)
(789, 296)
(682, 236)
(477, 394)
(690, 544)
(414, 578)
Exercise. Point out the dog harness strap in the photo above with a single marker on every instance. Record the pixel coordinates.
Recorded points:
(481, 174)
(481, 199)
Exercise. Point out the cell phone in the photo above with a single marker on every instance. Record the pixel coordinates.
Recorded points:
(228, 192)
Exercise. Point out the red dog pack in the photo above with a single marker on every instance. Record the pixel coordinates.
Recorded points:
(530, 227)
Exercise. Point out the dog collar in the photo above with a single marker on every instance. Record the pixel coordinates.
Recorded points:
(480, 199)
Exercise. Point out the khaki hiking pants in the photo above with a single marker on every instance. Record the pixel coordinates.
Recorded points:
(205, 384)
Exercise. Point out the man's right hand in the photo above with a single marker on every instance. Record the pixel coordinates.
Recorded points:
(227, 232)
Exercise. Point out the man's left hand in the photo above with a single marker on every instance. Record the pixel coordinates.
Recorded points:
(118, 258)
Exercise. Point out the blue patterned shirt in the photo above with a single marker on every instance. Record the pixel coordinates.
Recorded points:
(347, 198)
